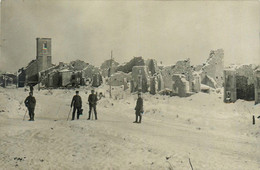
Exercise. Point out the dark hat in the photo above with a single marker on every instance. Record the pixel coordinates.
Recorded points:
(77, 91)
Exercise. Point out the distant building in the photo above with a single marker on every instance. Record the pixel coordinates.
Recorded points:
(109, 67)
(43, 61)
(8, 79)
(181, 67)
(140, 79)
(43, 53)
(212, 71)
(119, 79)
(257, 86)
(239, 83)
(180, 85)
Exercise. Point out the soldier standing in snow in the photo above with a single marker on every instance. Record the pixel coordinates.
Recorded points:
(77, 104)
(139, 109)
(92, 100)
(30, 103)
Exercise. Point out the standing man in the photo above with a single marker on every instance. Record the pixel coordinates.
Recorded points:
(139, 109)
(30, 103)
(77, 104)
(92, 100)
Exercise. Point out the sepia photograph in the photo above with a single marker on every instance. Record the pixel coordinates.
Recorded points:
(129, 85)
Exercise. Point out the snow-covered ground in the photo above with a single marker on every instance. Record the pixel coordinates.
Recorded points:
(200, 129)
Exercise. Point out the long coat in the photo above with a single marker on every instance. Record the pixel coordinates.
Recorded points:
(139, 105)
(76, 101)
(92, 99)
(30, 102)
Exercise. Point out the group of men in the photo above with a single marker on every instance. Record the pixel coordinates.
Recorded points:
(76, 103)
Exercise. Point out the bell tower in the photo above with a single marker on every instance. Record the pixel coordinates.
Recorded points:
(43, 53)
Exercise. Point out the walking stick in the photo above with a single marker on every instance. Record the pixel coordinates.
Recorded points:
(92, 113)
(69, 114)
(24, 115)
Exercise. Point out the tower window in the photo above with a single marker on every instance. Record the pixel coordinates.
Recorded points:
(45, 45)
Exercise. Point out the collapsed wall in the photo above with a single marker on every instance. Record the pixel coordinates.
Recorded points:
(127, 68)
(78, 65)
(211, 72)
(152, 66)
(109, 67)
(239, 83)
(140, 79)
(119, 79)
(181, 67)
(180, 85)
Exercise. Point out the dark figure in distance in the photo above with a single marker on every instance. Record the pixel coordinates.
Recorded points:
(92, 100)
(77, 104)
(139, 109)
(30, 103)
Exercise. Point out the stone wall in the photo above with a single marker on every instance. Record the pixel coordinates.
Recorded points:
(152, 66)
(181, 67)
(127, 68)
(180, 85)
(119, 79)
(239, 83)
(105, 67)
(31, 72)
(140, 79)
(78, 65)
(214, 67)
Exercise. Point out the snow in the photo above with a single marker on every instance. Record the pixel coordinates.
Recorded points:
(212, 134)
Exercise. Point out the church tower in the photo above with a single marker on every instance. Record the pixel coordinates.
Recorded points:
(43, 53)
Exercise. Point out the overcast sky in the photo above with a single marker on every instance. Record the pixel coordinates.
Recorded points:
(163, 30)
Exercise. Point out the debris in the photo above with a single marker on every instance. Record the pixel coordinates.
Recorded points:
(168, 157)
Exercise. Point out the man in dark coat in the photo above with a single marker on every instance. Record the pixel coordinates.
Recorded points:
(139, 109)
(92, 100)
(77, 104)
(30, 103)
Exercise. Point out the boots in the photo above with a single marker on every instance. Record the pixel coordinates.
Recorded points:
(140, 120)
(136, 117)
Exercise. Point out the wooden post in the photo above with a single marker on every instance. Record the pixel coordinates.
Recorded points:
(110, 90)
(17, 79)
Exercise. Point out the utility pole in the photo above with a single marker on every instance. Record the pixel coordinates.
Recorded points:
(110, 90)
(17, 79)
(38, 72)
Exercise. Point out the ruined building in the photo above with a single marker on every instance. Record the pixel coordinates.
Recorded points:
(119, 79)
(43, 61)
(152, 66)
(180, 85)
(109, 67)
(128, 67)
(211, 72)
(78, 65)
(181, 67)
(140, 79)
(239, 83)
